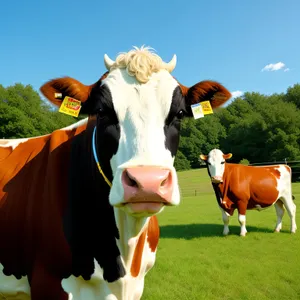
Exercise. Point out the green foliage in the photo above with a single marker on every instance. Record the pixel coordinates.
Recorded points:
(259, 127)
(262, 128)
(24, 114)
(200, 136)
(293, 95)
(245, 162)
(181, 162)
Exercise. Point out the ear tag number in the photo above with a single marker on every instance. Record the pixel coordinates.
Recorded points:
(206, 108)
(70, 106)
(201, 109)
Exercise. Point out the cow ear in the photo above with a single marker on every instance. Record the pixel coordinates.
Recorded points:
(227, 156)
(207, 90)
(203, 157)
(57, 89)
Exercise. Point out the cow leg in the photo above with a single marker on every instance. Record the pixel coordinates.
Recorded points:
(225, 217)
(291, 209)
(242, 208)
(280, 212)
(242, 221)
(45, 286)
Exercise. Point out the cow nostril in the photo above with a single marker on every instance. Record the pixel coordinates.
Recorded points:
(164, 182)
(130, 181)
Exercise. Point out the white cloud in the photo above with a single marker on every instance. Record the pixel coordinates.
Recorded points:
(286, 70)
(273, 67)
(237, 94)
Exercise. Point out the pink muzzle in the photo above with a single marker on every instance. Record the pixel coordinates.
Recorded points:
(216, 179)
(147, 189)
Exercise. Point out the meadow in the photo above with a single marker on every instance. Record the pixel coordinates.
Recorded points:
(194, 261)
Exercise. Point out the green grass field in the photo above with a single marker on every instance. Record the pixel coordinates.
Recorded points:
(194, 261)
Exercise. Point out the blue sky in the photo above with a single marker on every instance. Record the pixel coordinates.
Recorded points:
(229, 41)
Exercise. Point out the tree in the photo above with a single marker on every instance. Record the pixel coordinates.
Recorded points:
(181, 162)
(24, 114)
(262, 128)
(293, 95)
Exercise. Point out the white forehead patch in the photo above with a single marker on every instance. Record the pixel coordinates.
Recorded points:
(141, 110)
(215, 156)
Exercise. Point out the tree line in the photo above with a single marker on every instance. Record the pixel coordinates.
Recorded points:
(254, 127)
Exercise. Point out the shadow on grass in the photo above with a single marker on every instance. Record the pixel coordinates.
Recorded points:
(190, 231)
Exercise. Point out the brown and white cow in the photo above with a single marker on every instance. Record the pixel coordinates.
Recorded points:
(78, 206)
(250, 187)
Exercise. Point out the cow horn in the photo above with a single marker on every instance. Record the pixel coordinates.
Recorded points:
(108, 62)
(170, 66)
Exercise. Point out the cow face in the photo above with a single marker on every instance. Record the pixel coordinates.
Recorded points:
(215, 161)
(139, 107)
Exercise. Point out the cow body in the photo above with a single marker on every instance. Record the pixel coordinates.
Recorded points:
(78, 206)
(250, 187)
(38, 169)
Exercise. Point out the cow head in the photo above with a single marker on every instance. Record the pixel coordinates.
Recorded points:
(215, 161)
(139, 106)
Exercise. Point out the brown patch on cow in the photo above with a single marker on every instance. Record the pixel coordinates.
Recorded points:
(275, 172)
(184, 89)
(33, 193)
(288, 168)
(5, 152)
(67, 86)
(208, 90)
(137, 256)
(213, 91)
(247, 187)
(153, 233)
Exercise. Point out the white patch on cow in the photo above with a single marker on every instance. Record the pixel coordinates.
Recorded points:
(141, 110)
(128, 287)
(279, 212)
(216, 164)
(12, 288)
(75, 125)
(284, 187)
(225, 217)
(242, 221)
(14, 143)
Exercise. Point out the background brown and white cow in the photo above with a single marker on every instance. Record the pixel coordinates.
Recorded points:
(248, 187)
(64, 232)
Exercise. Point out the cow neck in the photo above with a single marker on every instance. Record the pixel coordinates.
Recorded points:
(130, 229)
(96, 158)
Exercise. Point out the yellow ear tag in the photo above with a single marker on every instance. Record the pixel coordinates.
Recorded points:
(70, 106)
(206, 108)
(197, 111)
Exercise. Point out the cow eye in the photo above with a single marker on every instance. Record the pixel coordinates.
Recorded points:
(222, 162)
(180, 114)
(100, 113)
(209, 163)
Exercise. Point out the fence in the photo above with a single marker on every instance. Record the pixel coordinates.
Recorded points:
(197, 188)
(294, 165)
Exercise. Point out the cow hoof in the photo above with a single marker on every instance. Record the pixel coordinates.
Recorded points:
(276, 230)
(243, 234)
